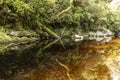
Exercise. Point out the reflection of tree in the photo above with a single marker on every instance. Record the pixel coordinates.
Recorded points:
(80, 60)
(83, 62)
(68, 70)
(77, 61)
(16, 61)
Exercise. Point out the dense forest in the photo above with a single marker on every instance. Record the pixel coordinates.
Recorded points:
(56, 17)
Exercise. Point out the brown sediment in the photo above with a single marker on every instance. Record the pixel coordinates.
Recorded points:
(116, 40)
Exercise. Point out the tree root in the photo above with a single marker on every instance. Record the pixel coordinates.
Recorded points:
(68, 70)
(71, 2)
(63, 11)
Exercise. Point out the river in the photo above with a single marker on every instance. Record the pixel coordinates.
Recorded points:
(61, 60)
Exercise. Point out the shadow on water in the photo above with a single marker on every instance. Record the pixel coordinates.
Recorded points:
(61, 60)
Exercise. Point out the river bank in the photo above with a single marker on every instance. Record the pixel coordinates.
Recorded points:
(16, 36)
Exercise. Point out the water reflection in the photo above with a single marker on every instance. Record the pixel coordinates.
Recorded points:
(56, 60)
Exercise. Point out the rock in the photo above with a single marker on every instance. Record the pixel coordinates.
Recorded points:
(76, 36)
(22, 34)
(14, 48)
(108, 32)
(99, 38)
(14, 33)
(99, 34)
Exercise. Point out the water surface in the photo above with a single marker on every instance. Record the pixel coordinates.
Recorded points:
(61, 60)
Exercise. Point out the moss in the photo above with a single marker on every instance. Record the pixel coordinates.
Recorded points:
(22, 36)
(4, 36)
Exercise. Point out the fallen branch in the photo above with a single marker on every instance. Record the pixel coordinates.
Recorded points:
(68, 70)
(48, 30)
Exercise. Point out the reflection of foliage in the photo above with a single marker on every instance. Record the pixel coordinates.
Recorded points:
(16, 61)
(89, 66)
(80, 61)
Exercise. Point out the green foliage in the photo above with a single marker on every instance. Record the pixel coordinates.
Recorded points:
(91, 15)
(84, 14)
(113, 21)
(3, 35)
(14, 12)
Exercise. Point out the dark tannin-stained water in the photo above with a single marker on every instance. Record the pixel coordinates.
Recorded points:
(61, 60)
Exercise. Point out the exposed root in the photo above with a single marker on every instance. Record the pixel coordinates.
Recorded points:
(68, 70)
(64, 11)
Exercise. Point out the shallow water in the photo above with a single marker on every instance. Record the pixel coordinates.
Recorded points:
(61, 60)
